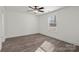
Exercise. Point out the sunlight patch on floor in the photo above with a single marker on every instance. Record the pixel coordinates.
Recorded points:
(46, 47)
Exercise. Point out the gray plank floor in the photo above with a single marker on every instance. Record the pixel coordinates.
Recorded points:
(31, 43)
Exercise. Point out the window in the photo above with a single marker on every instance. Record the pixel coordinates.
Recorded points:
(52, 21)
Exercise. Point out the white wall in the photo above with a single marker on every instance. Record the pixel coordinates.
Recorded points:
(18, 24)
(67, 25)
(2, 39)
(0, 30)
(0, 23)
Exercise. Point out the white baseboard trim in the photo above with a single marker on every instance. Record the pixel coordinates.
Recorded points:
(20, 35)
(61, 39)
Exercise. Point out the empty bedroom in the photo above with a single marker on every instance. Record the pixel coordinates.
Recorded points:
(39, 29)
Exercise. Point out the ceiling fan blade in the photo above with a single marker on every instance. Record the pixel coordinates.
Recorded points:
(41, 11)
(41, 8)
(30, 7)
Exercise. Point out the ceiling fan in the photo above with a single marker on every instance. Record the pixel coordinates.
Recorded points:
(36, 9)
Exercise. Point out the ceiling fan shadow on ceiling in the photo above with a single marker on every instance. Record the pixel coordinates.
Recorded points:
(36, 9)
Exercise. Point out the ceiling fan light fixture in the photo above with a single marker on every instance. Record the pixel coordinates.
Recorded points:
(35, 11)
